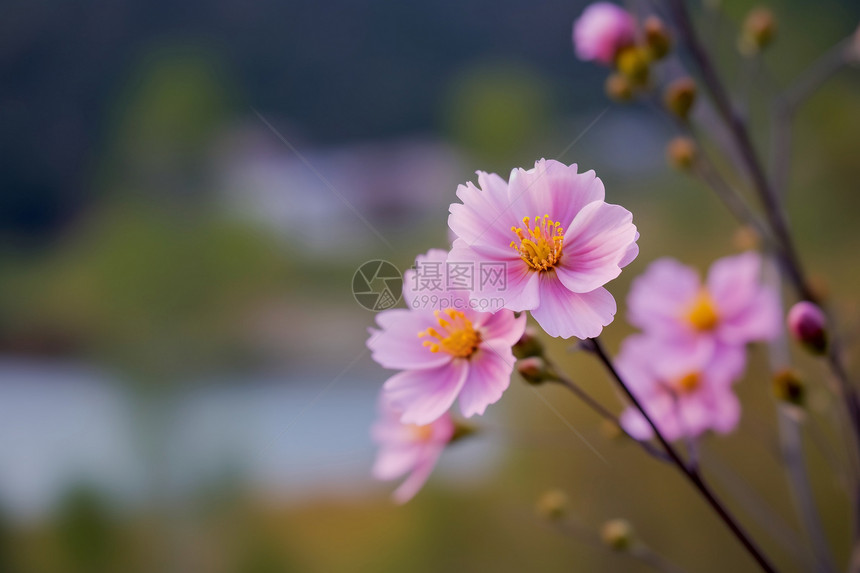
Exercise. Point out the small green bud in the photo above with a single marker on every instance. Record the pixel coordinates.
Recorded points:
(534, 370)
(617, 534)
(633, 63)
(552, 504)
(680, 96)
(619, 88)
(657, 37)
(528, 345)
(759, 29)
(788, 387)
(681, 153)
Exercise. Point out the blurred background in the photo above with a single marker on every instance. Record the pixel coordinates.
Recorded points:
(187, 190)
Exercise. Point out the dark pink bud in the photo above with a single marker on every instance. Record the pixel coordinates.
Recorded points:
(807, 324)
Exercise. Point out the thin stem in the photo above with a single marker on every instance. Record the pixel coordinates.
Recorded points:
(774, 525)
(692, 474)
(647, 555)
(786, 105)
(791, 448)
(639, 551)
(603, 412)
(770, 199)
(798, 479)
(730, 197)
(740, 134)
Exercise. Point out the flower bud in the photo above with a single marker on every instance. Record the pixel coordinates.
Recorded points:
(602, 31)
(529, 344)
(619, 88)
(681, 153)
(534, 370)
(680, 96)
(617, 534)
(632, 62)
(808, 325)
(788, 387)
(552, 504)
(759, 29)
(657, 37)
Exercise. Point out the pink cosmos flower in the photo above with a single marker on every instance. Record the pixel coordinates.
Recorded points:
(444, 348)
(554, 237)
(685, 388)
(731, 308)
(408, 448)
(602, 31)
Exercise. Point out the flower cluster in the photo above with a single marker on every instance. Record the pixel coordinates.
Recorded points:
(692, 349)
(607, 34)
(555, 243)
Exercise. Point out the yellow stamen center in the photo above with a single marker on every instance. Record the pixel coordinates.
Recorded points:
(703, 313)
(420, 433)
(455, 335)
(688, 383)
(540, 242)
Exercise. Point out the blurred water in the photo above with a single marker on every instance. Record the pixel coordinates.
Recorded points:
(65, 424)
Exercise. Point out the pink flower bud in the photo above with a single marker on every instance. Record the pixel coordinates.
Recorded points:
(807, 325)
(602, 31)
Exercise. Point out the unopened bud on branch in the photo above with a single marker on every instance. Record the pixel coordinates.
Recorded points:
(632, 62)
(759, 29)
(619, 88)
(808, 325)
(534, 370)
(552, 504)
(657, 37)
(788, 387)
(681, 153)
(617, 534)
(680, 96)
(529, 344)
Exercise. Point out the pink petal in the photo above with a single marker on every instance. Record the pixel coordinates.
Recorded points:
(761, 319)
(594, 245)
(659, 296)
(393, 462)
(693, 413)
(520, 289)
(502, 328)
(634, 423)
(733, 281)
(419, 475)
(397, 345)
(727, 365)
(631, 254)
(554, 189)
(484, 219)
(726, 412)
(423, 290)
(602, 30)
(424, 395)
(565, 314)
(490, 371)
